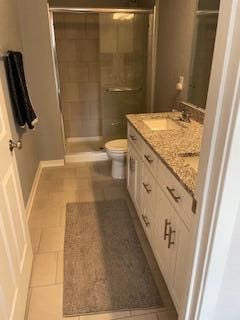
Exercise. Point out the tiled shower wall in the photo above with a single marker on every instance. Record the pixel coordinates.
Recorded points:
(77, 42)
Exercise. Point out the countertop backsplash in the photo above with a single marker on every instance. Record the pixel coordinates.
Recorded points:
(196, 113)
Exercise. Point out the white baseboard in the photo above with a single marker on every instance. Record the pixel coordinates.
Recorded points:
(33, 191)
(52, 163)
(41, 165)
(83, 139)
(86, 157)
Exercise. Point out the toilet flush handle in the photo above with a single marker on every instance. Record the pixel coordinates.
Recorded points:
(133, 137)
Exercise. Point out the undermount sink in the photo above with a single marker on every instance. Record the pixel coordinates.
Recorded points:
(162, 124)
(191, 160)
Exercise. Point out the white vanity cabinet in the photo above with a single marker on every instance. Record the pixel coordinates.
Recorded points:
(164, 209)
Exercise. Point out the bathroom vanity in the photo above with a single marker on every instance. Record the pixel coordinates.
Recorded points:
(163, 155)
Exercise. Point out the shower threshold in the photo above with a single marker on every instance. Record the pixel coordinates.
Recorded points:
(85, 149)
(75, 145)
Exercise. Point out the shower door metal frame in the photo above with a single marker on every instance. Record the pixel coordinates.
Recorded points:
(56, 73)
(152, 48)
(152, 56)
(98, 10)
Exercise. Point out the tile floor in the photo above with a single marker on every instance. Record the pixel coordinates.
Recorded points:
(57, 186)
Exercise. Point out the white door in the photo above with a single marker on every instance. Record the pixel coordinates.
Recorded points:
(15, 247)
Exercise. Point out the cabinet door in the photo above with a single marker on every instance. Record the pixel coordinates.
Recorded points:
(179, 261)
(131, 172)
(162, 221)
(138, 180)
(134, 182)
(148, 188)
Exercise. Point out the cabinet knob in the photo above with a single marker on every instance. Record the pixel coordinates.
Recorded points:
(148, 158)
(166, 233)
(131, 164)
(171, 191)
(133, 137)
(146, 221)
(170, 241)
(146, 187)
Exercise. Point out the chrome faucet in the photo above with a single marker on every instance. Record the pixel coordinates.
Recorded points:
(185, 116)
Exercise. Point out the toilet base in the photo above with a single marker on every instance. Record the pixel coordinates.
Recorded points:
(119, 169)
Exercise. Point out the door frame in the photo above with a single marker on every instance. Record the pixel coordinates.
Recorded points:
(218, 178)
(217, 164)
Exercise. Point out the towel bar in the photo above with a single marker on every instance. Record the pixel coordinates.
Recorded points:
(122, 89)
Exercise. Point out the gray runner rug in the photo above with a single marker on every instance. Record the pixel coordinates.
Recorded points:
(105, 269)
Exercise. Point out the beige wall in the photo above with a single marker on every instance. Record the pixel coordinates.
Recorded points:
(34, 26)
(77, 42)
(28, 157)
(24, 26)
(176, 25)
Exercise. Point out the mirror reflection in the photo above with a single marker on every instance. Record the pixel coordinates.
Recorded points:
(185, 46)
(202, 51)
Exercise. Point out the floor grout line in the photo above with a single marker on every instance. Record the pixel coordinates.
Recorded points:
(46, 286)
(40, 238)
(56, 271)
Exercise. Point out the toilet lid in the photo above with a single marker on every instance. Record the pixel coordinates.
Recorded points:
(117, 145)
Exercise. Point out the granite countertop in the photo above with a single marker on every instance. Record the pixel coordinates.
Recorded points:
(170, 144)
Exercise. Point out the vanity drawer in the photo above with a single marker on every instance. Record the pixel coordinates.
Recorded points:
(148, 189)
(150, 158)
(178, 196)
(135, 138)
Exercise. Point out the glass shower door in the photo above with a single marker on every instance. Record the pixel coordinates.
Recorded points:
(123, 69)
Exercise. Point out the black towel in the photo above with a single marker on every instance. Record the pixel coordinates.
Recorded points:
(22, 107)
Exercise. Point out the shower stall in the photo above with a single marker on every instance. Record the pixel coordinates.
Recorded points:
(104, 61)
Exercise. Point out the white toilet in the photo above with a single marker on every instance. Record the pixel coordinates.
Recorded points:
(117, 151)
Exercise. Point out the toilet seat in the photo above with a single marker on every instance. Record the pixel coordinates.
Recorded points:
(119, 145)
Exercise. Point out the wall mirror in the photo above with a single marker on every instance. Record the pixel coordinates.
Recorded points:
(202, 51)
